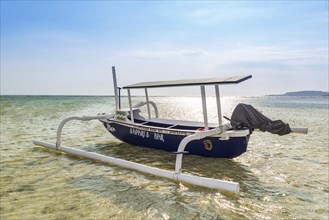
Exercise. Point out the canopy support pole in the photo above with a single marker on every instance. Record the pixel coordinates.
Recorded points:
(219, 108)
(204, 107)
(130, 106)
(115, 88)
(148, 104)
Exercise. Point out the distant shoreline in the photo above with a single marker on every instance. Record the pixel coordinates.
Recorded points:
(303, 93)
(141, 96)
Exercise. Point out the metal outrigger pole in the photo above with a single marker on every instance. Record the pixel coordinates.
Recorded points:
(176, 175)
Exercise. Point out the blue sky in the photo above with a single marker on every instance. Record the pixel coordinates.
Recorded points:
(68, 47)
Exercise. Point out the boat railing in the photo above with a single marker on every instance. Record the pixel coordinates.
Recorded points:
(140, 104)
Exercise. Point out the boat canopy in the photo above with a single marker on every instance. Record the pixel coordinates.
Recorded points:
(189, 82)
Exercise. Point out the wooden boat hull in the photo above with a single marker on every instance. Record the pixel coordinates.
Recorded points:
(169, 139)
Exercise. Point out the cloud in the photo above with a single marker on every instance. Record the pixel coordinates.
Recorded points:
(263, 59)
(162, 54)
(278, 54)
(228, 12)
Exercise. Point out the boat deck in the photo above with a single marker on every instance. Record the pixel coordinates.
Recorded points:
(173, 124)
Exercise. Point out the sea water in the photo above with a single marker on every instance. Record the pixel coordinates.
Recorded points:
(281, 177)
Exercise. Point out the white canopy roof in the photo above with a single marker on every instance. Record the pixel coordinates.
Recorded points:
(189, 82)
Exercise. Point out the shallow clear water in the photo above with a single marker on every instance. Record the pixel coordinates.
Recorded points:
(281, 177)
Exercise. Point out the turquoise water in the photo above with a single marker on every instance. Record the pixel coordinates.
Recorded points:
(280, 177)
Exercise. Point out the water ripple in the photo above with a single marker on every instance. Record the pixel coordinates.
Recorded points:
(280, 177)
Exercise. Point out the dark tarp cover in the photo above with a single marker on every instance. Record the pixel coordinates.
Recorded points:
(247, 115)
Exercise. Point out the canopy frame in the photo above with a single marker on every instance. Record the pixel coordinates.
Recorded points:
(192, 82)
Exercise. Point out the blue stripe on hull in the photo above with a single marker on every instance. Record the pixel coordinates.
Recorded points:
(208, 147)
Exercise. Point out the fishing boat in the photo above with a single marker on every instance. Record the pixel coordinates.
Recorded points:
(129, 126)
(220, 140)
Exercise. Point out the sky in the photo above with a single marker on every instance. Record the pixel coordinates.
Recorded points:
(68, 47)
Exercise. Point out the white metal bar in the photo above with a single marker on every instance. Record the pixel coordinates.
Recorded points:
(195, 180)
(204, 107)
(140, 104)
(196, 136)
(130, 107)
(83, 118)
(148, 104)
(115, 88)
(219, 108)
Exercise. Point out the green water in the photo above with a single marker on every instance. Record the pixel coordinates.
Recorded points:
(280, 177)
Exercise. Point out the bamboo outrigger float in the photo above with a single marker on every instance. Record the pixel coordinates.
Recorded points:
(180, 137)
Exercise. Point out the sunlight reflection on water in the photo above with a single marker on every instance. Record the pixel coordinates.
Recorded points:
(280, 177)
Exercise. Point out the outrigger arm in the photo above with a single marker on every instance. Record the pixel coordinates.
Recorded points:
(83, 118)
(176, 175)
(197, 136)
